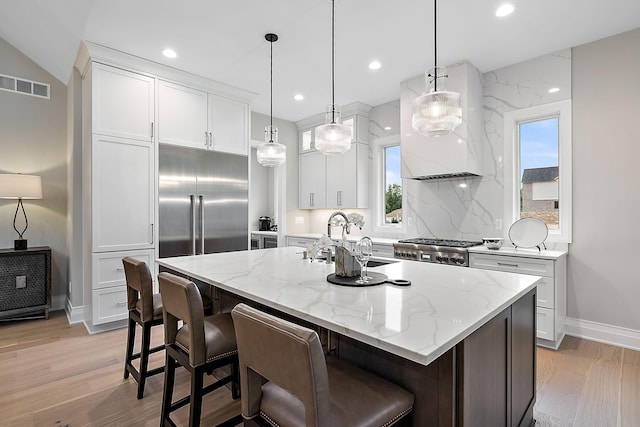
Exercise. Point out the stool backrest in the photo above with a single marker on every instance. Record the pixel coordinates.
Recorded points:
(139, 287)
(181, 300)
(287, 354)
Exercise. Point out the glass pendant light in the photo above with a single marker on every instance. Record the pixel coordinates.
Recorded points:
(439, 111)
(333, 137)
(270, 153)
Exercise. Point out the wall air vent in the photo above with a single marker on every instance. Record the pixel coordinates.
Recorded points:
(25, 87)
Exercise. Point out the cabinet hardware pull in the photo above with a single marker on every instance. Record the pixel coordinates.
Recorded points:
(210, 139)
(120, 269)
(121, 303)
(206, 139)
(152, 236)
(152, 131)
(504, 264)
(201, 200)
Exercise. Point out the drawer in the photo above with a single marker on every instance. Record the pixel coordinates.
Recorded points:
(385, 251)
(513, 264)
(109, 304)
(545, 323)
(300, 242)
(546, 293)
(108, 270)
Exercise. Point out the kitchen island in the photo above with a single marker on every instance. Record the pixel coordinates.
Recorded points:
(462, 340)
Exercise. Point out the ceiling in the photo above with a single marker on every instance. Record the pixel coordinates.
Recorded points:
(224, 40)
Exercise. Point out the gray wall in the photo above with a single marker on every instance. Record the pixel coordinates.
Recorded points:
(287, 135)
(33, 137)
(604, 273)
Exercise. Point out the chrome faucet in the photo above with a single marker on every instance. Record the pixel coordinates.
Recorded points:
(345, 227)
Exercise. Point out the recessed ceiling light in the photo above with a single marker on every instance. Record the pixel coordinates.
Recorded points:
(504, 10)
(554, 90)
(298, 97)
(387, 128)
(375, 65)
(169, 53)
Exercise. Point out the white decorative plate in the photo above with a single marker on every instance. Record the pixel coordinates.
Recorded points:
(528, 233)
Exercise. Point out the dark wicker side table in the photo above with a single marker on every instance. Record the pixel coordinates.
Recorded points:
(25, 283)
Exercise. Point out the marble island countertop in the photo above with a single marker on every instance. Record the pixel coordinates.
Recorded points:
(354, 236)
(444, 304)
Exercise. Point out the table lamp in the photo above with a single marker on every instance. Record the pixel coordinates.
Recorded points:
(18, 186)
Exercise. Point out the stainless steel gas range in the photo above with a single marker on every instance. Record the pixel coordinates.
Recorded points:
(449, 252)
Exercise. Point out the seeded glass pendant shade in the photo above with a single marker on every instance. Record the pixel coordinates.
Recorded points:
(333, 137)
(270, 153)
(438, 111)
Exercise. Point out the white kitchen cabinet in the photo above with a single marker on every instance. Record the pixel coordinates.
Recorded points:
(551, 306)
(122, 102)
(347, 178)
(228, 125)
(192, 117)
(182, 116)
(122, 188)
(312, 181)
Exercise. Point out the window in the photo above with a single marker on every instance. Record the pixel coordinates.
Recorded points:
(537, 166)
(389, 191)
(392, 185)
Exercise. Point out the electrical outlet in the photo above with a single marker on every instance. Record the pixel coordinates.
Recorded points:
(21, 282)
(499, 224)
(299, 220)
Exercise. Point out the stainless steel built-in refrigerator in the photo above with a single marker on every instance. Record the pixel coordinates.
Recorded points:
(203, 201)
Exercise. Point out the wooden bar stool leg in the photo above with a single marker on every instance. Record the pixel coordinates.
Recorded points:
(235, 383)
(144, 357)
(195, 407)
(167, 396)
(131, 336)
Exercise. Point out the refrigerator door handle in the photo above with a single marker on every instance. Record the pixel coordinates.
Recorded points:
(201, 198)
(193, 224)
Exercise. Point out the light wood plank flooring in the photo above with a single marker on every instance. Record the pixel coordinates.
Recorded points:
(55, 374)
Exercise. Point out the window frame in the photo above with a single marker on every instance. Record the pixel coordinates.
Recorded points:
(512, 120)
(379, 193)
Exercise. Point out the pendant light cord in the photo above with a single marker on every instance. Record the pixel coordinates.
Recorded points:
(435, 49)
(333, 42)
(271, 95)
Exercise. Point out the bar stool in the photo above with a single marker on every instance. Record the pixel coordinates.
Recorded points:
(145, 309)
(285, 380)
(200, 345)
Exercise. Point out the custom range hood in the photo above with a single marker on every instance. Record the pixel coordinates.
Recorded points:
(456, 154)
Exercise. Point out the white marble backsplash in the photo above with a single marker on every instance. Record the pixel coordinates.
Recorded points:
(467, 208)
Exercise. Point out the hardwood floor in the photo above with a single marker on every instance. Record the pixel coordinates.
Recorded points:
(55, 374)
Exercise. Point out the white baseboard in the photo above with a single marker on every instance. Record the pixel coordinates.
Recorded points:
(74, 314)
(615, 335)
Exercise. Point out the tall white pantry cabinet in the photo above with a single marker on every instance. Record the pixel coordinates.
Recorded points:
(120, 136)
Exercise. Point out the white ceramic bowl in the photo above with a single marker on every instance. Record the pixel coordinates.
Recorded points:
(492, 242)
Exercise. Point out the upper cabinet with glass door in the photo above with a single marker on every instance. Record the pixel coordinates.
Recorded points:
(194, 118)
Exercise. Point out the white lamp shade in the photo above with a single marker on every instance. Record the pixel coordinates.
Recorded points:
(333, 138)
(18, 186)
(437, 113)
(271, 154)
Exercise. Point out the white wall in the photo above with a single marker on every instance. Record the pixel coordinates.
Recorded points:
(33, 137)
(604, 272)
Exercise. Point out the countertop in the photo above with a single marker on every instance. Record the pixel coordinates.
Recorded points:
(264, 233)
(444, 304)
(353, 237)
(519, 252)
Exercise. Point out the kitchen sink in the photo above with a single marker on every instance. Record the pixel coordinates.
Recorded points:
(379, 262)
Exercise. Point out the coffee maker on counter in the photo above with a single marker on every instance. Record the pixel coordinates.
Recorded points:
(264, 223)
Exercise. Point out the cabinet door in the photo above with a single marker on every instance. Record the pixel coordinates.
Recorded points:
(228, 125)
(182, 116)
(342, 179)
(122, 103)
(122, 194)
(312, 178)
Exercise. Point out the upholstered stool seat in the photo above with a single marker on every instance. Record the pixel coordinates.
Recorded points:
(200, 345)
(145, 309)
(285, 380)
